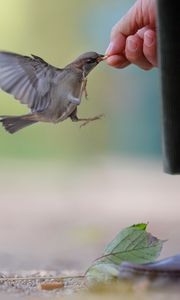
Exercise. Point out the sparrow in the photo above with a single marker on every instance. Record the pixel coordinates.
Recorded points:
(51, 93)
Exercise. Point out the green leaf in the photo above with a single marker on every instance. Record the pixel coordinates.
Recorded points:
(127, 239)
(132, 244)
(141, 226)
(102, 273)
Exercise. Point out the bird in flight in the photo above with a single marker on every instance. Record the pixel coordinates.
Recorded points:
(51, 93)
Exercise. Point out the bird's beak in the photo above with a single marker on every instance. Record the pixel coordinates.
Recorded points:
(101, 58)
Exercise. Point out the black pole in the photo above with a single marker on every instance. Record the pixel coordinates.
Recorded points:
(169, 59)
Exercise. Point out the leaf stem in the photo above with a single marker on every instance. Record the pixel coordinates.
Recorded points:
(42, 278)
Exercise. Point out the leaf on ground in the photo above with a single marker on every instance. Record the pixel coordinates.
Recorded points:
(101, 273)
(133, 244)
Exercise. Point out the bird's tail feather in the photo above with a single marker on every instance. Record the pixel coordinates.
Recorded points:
(13, 124)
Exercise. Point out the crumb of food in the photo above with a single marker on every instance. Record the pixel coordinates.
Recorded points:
(48, 286)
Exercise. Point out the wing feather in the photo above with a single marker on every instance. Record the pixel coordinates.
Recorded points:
(28, 79)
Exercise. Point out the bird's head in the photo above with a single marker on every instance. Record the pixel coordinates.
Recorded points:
(88, 61)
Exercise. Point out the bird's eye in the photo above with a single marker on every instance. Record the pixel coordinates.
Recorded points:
(89, 61)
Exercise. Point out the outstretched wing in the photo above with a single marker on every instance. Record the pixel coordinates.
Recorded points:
(28, 79)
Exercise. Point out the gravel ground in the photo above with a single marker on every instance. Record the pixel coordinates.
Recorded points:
(35, 287)
(39, 284)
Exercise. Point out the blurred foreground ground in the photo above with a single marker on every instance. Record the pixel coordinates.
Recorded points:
(57, 216)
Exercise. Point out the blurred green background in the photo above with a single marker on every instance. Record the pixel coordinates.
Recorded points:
(59, 31)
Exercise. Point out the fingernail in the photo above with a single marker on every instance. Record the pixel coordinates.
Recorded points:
(149, 39)
(132, 45)
(109, 49)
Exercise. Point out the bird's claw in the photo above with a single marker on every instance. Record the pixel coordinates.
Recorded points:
(88, 120)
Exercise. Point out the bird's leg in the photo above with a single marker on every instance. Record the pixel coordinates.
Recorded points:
(84, 87)
(73, 116)
(85, 121)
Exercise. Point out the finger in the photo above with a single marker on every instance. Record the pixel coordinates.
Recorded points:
(150, 47)
(134, 52)
(117, 61)
(117, 45)
(142, 31)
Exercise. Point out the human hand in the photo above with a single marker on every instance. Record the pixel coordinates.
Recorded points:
(133, 38)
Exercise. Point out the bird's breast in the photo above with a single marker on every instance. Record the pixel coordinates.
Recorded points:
(60, 108)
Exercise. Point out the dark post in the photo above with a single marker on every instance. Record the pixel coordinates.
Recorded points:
(169, 58)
